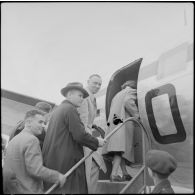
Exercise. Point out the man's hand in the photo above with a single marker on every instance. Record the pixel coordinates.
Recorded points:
(62, 180)
(137, 117)
(101, 141)
(99, 129)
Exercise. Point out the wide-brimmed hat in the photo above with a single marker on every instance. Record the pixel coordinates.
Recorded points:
(74, 85)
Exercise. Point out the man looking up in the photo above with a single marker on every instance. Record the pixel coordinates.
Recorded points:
(87, 112)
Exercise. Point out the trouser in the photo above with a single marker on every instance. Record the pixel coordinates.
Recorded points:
(94, 176)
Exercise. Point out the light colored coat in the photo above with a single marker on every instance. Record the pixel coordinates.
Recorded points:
(87, 113)
(24, 159)
(123, 105)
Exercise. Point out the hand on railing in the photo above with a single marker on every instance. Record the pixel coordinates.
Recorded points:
(99, 129)
(137, 117)
(101, 141)
(62, 180)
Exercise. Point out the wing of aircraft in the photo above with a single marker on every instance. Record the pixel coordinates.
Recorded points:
(13, 108)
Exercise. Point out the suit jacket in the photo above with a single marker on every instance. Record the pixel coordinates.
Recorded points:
(63, 146)
(163, 187)
(88, 110)
(24, 165)
(20, 126)
(17, 129)
(87, 113)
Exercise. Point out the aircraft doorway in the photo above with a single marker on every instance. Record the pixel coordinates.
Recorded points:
(129, 72)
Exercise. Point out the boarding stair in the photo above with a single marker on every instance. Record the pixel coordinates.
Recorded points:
(138, 171)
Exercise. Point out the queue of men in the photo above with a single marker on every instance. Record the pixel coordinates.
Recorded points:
(33, 165)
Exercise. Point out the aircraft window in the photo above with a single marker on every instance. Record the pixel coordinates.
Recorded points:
(173, 61)
(165, 120)
(163, 116)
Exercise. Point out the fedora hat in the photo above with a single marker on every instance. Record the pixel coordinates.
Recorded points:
(74, 85)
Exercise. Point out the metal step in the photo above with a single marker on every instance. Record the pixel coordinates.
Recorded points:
(107, 187)
(137, 183)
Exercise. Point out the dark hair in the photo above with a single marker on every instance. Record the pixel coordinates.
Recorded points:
(160, 175)
(32, 113)
(43, 106)
(129, 83)
(95, 75)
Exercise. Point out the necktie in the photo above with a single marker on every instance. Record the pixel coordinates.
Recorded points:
(94, 103)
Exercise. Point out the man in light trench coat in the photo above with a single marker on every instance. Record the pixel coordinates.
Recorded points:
(87, 112)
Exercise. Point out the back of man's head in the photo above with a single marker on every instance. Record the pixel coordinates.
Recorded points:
(43, 106)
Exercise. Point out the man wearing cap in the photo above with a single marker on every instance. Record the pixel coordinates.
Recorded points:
(43, 106)
(87, 112)
(160, 165)
(65, 138)
(119, 147)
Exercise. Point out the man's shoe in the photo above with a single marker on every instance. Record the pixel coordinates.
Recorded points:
(116, 178)
(127, 177)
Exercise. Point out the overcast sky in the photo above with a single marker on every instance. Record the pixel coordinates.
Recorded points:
(46, 45)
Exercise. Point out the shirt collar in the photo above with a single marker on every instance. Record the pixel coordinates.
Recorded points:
(91, 95)
(67, 101)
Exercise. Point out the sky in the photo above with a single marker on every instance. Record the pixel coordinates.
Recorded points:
(44, 46)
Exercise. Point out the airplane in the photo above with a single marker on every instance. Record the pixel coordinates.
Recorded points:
(165, 103)
(164, 92)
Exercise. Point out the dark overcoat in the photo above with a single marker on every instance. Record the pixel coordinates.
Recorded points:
(63, 146)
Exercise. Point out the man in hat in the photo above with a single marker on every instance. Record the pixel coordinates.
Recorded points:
(23, 170)
(43, 106)
(160, 165)
(65, 138)
(87, 112)
(119, 147)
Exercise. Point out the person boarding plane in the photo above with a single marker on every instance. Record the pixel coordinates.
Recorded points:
(164, 93)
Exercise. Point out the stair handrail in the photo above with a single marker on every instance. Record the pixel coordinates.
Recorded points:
(85, 157)
(144, 164)
(132, 180)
